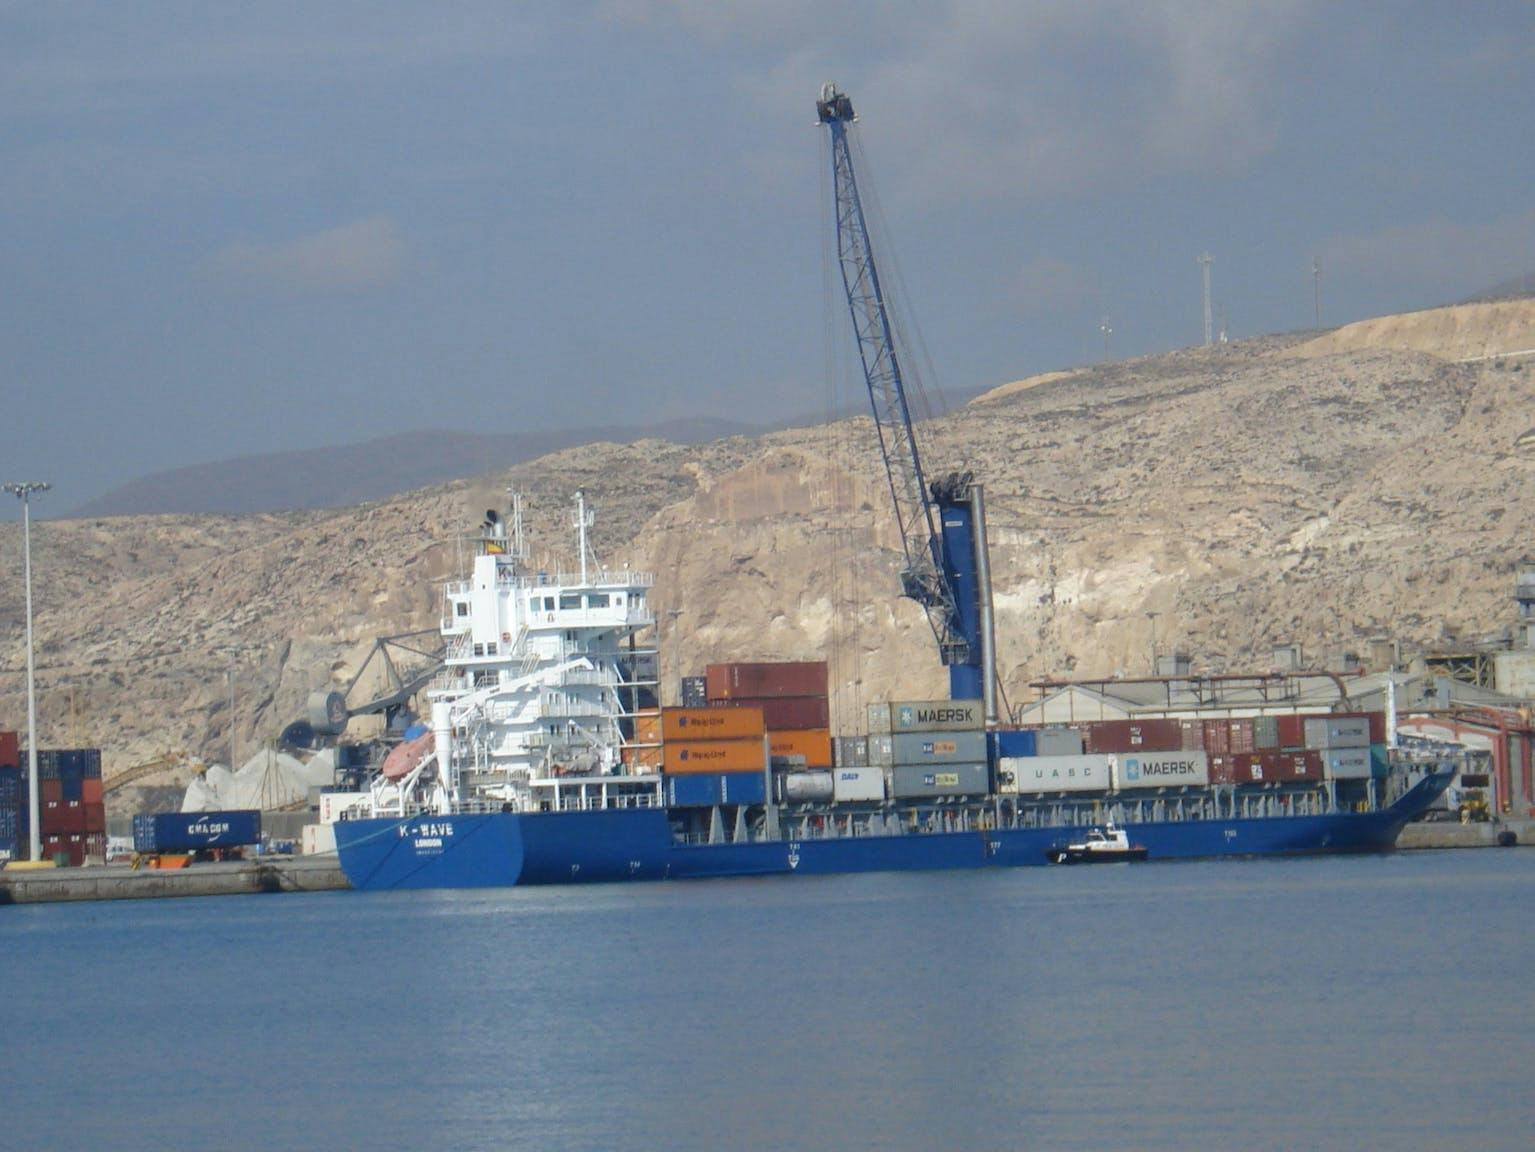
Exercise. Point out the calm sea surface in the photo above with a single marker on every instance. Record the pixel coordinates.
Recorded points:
(1352, 1004)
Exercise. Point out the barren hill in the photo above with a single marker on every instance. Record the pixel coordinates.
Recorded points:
(1266, 491)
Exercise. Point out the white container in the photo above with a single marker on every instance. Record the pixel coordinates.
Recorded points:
(881, 750)
(318, 839)
(854, 785)
(1058, 742)
(1164, 770)
(1032, 774)
(333, 804)
(1346, 764)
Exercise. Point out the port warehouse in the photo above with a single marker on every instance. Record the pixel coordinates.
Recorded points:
(724, 750)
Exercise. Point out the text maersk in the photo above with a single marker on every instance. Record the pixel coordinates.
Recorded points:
(1153, 770)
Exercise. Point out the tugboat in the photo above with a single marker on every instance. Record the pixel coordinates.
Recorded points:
(1111, 846)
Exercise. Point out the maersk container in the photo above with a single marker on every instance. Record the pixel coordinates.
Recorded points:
(1058, 742)
(1037, 774)
(913, 782)
(1328, 732)
(191, 831)
(1347, 763)
(1013, 742)
(927, 716)
(858, 785)
(938, 747)
(1161, 770)
(806, 787)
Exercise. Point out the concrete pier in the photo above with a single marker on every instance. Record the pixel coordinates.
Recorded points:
(1445, 834)
(121, 882)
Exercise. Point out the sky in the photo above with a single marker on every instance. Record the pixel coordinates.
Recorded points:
(232, 229)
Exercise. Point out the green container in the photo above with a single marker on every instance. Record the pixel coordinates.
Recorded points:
(1380, 761)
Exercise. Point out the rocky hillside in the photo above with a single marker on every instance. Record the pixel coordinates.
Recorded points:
(1319, 491)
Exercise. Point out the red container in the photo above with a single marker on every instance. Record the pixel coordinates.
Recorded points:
(50, 791)
(789, 713)
(65, 816)
(732, 682)
(1222, 770)
(91, 791)
(95, 817)
(1113, 736)
(1241, 736)
(1191, 736)
(1292, 731)
(1274, 768)
(1217, 738)
(10, 750)
(55, 847)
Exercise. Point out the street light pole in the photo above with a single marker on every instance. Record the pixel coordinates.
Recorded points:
(23, 492)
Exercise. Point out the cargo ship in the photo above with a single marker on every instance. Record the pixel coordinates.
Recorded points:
(549, 761)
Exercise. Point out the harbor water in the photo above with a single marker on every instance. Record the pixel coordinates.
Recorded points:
(1329, 1003)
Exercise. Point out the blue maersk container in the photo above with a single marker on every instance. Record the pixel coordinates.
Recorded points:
(706, 789)
(191, 831)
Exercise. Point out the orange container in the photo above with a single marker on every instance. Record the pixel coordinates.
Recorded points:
(692, 724)
(647, 729)
(814, 744)
(90, 790)
(643, 759)
(682, 758)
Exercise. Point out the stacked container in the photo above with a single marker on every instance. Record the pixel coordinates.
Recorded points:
(72, 818)
(792, 696)
(179, 832)
(932, 748)
(713, 756)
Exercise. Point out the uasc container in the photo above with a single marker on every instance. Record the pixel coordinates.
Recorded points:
(1045, 774)
(1161, 770)
(937, 747)
(711, 723)
(914, 782)
(714, 756)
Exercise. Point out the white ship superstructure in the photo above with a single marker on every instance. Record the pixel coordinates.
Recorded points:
(544, 675)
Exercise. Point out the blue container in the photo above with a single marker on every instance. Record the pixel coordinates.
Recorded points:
(1012, 743)
(10, 785)
(10, 848)
(705, 790)
(191, 831)
(73, 787)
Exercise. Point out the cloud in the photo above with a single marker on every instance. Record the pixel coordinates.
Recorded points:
(1443, 253)
(355, 257)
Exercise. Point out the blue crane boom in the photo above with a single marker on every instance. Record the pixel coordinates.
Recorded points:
(938, 522)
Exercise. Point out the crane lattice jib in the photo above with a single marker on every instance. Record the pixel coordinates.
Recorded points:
(923, 579)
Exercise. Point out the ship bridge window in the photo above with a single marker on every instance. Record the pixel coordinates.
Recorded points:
(570, 599)
(461, 608)
(596, 599)
(548, 603)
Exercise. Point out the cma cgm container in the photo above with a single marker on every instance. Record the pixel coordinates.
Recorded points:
(937, 747)
(927, 716)
(1132, 736)
(914, 782)
(749, 681)
(192, 831)
(711, 723)
(714, 756)
(705, 790)
(1038, 774)
(858, 785)
(1161, 770)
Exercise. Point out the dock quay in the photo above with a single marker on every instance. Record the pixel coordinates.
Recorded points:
(1446, 834)
(122, 882)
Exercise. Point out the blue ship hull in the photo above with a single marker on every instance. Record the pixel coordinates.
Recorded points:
(503, 849)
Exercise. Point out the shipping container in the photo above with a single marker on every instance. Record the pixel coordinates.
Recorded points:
(1292, 730)
(1380, 761)
(1266, 768)
(748, 680)
(1117, 736)
(852, 751)
(317, 840)
(806, 787)
(50, 791)
(788, 713)
(1265, 733)
(1377, 722)
(10, 750)
(65, 817)
(1240, 735)
(641, 760)
(881, 750)
(1327, 732)
(333, 804)
(1057, 742)
(927, 716)
(1037, 774)
(912, 782)
(706, 789)
(695, 692)
(858, 785)
(647, 728)
(1191, 735)
(91, 790)
(1347, 763)
(1160, 770)
(190, 831)
(95, 817)
(10, 848)
(1217, 737)
(937, 747)
(812, 744)
(72, 788)
(1013, 742)
(714, 756)
(711, 724)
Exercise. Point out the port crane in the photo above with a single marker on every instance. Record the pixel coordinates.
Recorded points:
(942, 522)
